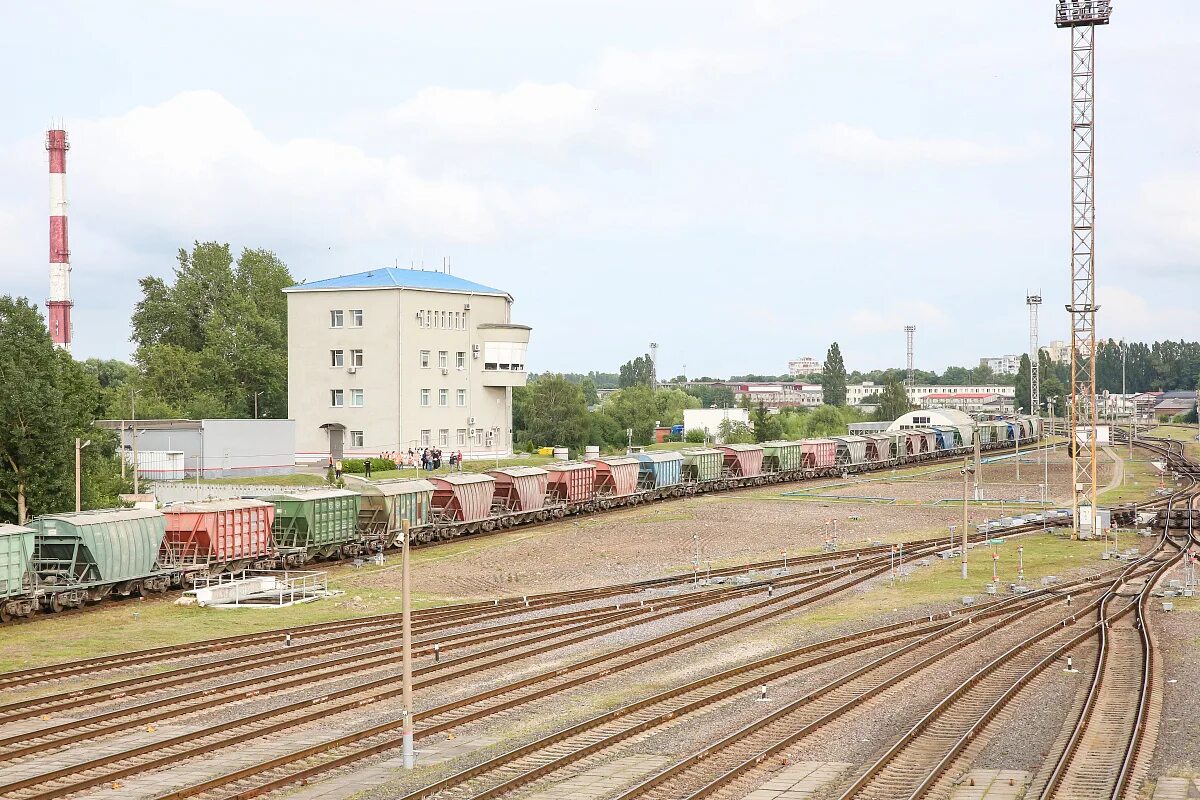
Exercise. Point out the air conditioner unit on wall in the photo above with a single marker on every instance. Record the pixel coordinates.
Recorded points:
(470, 420)
(352, 370)
(445, 370)
(475, 351)
(466, 306)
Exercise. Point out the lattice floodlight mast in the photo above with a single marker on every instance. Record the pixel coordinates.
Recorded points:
(1081, 17)
(1035, 372)
(909, 330)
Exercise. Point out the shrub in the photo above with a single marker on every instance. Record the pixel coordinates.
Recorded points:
(694, 435)
(357, 466)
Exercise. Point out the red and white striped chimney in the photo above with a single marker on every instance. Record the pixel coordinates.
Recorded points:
(59, 304)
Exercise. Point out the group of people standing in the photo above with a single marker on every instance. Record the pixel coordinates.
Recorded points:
(427, 458)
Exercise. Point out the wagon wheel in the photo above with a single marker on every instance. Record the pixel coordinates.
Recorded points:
(489, 525)
(56, 603)
(5, 616)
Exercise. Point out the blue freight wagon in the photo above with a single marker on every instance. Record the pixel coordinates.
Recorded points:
(661, 471)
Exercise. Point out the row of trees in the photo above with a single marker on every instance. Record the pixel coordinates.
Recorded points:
(49, 400)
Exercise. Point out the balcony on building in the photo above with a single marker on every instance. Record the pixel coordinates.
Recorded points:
(502, 350)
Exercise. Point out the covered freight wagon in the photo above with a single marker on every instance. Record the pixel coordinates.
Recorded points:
(616, 476)
(851, 450)
(223, 535)
(462, 496)
(742, 460)
(99, 552)
(386, 504)
(702, 464)
(879, 447)
(947, 437)
(659, 469)
(782, 456)
(16, 579)
(315, 522)
(928, 440)
(818, 453)
(519, 488)
(572, 482)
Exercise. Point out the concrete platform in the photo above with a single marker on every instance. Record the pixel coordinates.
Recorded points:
(1177, 789)
(799, 781)
(991, 784)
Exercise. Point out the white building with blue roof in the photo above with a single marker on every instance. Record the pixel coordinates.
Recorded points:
(395, 359)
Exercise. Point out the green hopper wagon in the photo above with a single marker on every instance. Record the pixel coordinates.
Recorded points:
(315, 523)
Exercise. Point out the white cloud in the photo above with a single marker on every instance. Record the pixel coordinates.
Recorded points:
(866, 148)
(1122, 313)
(923, 315)
(197, 162)
(1170, 206)
(673, 76)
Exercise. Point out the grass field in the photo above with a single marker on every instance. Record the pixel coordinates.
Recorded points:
(1181, 433)
(468, 466)
(941, 581)
(298, 479)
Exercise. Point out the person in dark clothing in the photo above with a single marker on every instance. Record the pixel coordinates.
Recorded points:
(367, 467)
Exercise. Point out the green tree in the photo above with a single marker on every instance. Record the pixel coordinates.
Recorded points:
(694, 435)
(1022, 385)
(638, 372)
(767, 427)
(833, 378)
(732, 431)
(48, 401)
(635, 407)
(825, 421)
(217, 335)
(590, 396)
(557, 413)
(893, 402)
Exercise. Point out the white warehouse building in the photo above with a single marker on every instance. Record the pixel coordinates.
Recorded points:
(396, 359)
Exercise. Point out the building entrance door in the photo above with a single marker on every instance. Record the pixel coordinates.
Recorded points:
(337, 437)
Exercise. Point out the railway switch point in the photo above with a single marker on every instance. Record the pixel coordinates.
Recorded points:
(287, 639)
(1070, 666)
(437, 653)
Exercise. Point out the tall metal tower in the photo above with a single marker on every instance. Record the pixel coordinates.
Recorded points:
(654, 366)
(1081, 17)
(1035, 376)
(909, 330)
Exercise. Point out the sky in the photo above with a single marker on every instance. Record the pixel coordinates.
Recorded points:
(740, 182)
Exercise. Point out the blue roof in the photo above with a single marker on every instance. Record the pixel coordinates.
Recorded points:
(389, 277)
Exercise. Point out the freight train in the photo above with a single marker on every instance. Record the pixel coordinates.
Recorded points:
(67, 560)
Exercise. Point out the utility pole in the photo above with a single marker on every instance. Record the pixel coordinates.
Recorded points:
(1081, 18)
(133, 417)
(1034, 301)
(967, 471)
(406, 649)
(256, 394)
(654, 366)
(79, 446)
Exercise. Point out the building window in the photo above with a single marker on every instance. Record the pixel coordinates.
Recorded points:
(477, 439)
(335, 319)
(443, 359)
(424, 359)
(444, 437)
(461, 397)
(335, 358)
(337, 398)
(356, 359)
(460, 359)
(425, 438)
(356, 398)
(462, 436)
(424, 397)
(356, 318)
(443, 397)
(356, 438)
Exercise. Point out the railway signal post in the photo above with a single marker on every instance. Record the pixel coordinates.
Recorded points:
(967, 471)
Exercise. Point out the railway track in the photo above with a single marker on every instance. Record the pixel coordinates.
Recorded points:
(78, 776)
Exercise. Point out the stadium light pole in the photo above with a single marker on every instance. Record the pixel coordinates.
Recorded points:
(133, 393)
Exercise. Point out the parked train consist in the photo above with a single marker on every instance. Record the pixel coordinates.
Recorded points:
(66, 560)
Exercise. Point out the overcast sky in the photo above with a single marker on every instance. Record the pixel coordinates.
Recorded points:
(741, 182)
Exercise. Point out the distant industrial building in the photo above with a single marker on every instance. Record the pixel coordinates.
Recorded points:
(779, 395)
(393, 359)
(935, 396)
(173, 449)
(805, 365)
(1172, 403)
(709, 419)
(1002, 365)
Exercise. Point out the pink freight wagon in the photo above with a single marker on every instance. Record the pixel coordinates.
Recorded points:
(225, 535)
(818, 453)
(742, 460)
(572, 482)
(462, 496)
(519, 488)
(616, 476)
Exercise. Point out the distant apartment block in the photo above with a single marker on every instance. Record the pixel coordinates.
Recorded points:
(1058, 351)
(1002, 365)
